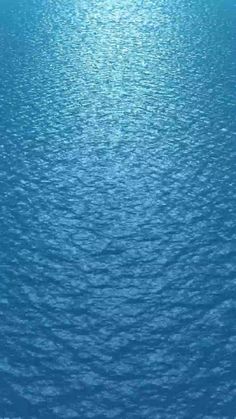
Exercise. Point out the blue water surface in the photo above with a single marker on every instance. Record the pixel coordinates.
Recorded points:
(117, 209)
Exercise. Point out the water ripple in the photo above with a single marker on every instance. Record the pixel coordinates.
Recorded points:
(117, 214)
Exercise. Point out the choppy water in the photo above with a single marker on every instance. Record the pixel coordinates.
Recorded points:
(118, 209)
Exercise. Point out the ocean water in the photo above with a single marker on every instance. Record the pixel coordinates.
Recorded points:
(117, 209)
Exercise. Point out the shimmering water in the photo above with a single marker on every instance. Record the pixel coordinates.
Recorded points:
(118, 209)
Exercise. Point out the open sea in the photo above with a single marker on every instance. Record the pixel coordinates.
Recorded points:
(117, 209)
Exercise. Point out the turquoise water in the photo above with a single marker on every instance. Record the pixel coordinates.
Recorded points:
(118, 209)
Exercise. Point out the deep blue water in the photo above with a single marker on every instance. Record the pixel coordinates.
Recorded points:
(118, 209)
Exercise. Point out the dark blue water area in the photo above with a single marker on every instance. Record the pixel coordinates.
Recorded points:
(118, 209)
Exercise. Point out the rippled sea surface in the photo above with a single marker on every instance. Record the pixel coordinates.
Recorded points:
(117, 209)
